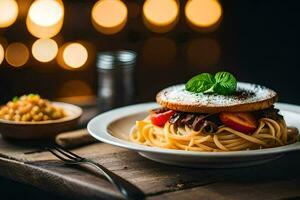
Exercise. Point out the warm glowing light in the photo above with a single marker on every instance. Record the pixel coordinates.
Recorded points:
(159, 52)
(45, 12)
(203, 53)
(203, 15)
(44, 50)
(8, 12)
(160, 15)
(45, 18)
(109, 16)
(75, 55)
(17, 54)
(1, 54)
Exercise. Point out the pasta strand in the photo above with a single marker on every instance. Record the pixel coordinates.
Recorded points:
(270, 133)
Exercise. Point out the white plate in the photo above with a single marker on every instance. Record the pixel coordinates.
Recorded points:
(113, 127)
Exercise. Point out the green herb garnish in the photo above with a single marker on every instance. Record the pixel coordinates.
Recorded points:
(223, 83)
(200, 83)
(31, 95)
(15, 99)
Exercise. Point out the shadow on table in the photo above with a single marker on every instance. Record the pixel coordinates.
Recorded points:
(15, 191)
(283, 169)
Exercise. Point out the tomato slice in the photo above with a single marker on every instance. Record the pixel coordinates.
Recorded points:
(161, 118)
(244, 122)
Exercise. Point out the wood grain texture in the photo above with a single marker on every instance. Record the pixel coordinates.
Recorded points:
(40, 169)
(237, 191)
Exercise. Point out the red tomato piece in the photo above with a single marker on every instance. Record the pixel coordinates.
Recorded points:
(244, 122)
(161, 118)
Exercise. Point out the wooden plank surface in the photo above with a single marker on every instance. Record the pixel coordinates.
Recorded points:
(24, 163)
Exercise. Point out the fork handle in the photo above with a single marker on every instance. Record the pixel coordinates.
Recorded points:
(130, 191)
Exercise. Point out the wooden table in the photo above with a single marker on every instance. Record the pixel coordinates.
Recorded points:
(279, 179)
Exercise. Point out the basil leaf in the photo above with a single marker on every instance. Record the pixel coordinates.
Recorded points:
(202, 83)
(225, 83)
(15, 99)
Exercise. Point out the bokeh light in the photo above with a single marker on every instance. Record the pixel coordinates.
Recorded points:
(44, 50)
(17, 54)
(1, 54)
(8, 12)
(74, 55)
(203, 53)
(203, 15)
(159, 52)
(109, 16)
(45, 18)
(160, 15)
(45, 12)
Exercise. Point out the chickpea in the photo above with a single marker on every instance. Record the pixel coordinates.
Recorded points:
(27, 117)
(11, 111)
(23, 110)
(2, 112)
(32, 112)
(15, 105)
(41, 103)
(30, 108)
(56, 115)
(24, 118)
(17, 118)
(45, 118)
(21, 103)
(10, 104)
(35, 109)
(5, 110)
(37, 118)
(7, 117)
(49, 110)
(23, 98)
(35, 98)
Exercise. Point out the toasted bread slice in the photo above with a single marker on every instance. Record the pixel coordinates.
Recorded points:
(249, 97)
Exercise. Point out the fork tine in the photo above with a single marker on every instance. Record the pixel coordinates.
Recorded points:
(58, 156)
(67, 151)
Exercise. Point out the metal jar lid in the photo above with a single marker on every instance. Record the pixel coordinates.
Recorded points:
(112, 59)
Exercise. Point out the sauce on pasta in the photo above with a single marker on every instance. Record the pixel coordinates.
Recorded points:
(269, 133)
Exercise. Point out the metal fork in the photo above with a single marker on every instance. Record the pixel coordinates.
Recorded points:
(129, 190)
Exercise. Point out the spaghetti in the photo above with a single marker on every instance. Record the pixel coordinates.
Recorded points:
(269, 133)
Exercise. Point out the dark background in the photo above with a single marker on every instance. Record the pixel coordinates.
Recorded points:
(257, 41)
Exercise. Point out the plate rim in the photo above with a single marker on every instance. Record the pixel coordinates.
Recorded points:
(118, 113)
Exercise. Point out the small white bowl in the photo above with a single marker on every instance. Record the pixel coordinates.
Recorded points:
(43, 129)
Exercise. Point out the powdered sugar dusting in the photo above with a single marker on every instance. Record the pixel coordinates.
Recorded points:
(248, 93)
